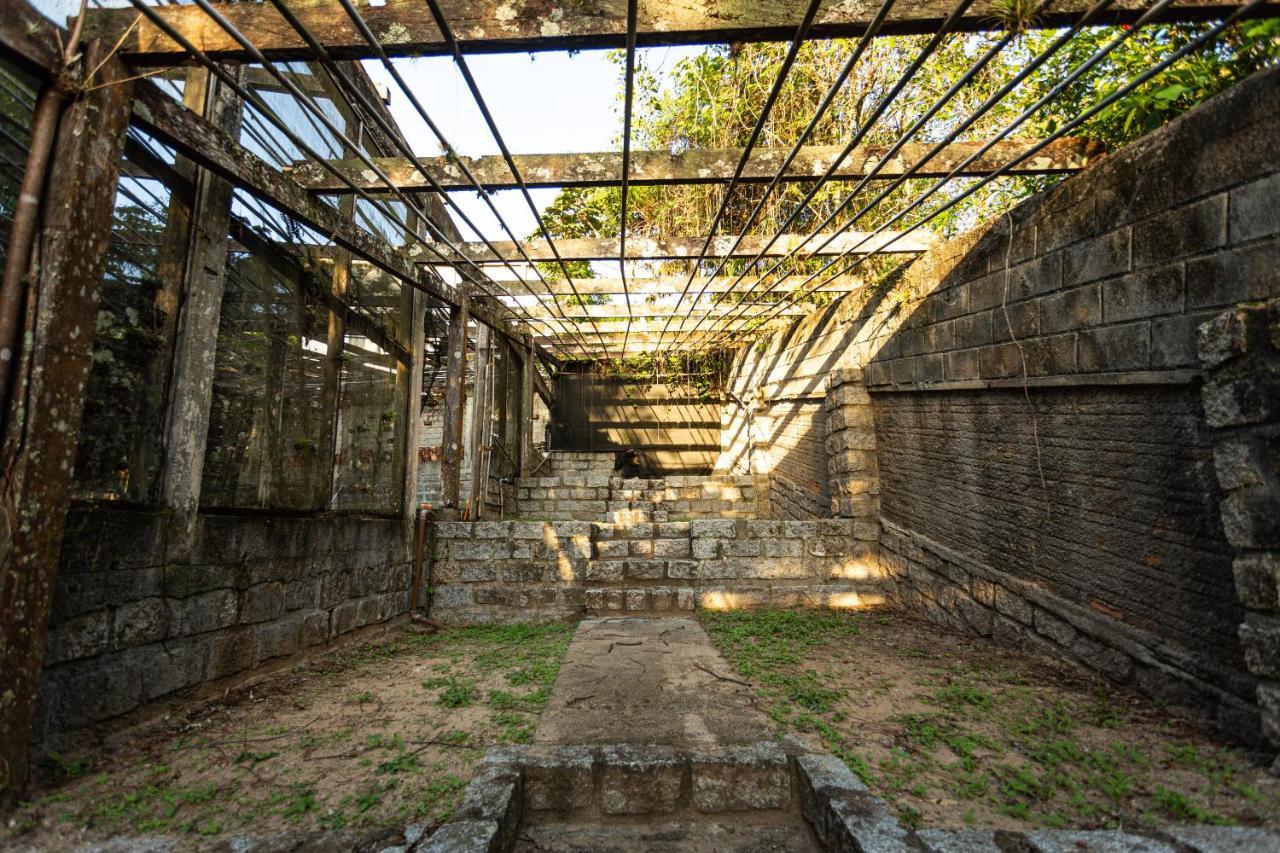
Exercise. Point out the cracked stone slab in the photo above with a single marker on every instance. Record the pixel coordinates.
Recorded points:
(651, 681)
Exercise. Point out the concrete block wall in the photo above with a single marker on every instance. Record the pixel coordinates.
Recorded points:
(527, 571)
(133, 621)
(1240, 350)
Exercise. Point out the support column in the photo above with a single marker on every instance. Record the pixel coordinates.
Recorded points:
(47, 399)
(454, 402)
(481, 417)
(197, 338)
(527, 369)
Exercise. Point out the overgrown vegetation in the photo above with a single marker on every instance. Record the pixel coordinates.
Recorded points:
(951, 731)
(377, 736)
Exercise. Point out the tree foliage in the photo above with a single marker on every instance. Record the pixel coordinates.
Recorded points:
(711, 100)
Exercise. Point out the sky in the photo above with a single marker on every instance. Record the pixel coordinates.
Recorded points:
(542, 103)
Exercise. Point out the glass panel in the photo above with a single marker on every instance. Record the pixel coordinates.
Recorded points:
(120, 456)
(368, 464)
(269, 422)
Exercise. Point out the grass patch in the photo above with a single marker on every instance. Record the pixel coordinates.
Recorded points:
(374, 736)
(949, 729)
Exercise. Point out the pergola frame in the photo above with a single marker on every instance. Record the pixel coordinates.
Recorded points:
(90, 94)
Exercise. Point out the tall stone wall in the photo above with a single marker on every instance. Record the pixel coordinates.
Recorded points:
(133, 622)
(1041, 456)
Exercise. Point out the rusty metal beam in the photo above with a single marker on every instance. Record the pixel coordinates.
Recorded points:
(660, 168)
(675, 285)
(406, 27)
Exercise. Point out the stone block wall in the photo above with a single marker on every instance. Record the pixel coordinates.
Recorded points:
(527, 571)
(854, 473)
(601, 497)
(1039, 417)
(132, 622)
(1240, 350)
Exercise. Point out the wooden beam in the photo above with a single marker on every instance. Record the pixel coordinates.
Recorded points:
(686, 248)
(539, 317)
(647, 330)
(674, 286)
(208, 146)
(43, 421)
(659, 168)
(528, 370)
(455, 393)
(406, 28)
(29, 39)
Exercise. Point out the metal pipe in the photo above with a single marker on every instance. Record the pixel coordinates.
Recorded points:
(26, 220)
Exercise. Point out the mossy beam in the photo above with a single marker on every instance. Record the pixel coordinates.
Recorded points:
(406, 28)
(660, 168)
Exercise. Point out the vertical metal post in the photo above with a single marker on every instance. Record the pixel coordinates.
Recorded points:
(454, 402)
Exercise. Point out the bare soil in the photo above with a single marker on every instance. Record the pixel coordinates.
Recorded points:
(954, 730)
(382, 735)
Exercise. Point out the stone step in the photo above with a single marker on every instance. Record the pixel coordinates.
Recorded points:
(739, 836)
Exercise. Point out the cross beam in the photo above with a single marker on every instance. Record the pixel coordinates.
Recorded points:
(673, 286)
(659, 168)
(538, 317)
(406, 28)
(678, 248)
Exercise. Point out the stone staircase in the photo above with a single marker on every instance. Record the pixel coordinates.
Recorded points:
(582, 486)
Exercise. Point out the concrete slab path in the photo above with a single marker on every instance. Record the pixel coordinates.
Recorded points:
(640, 680)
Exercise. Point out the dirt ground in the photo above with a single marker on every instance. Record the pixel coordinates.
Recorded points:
(956, 731)
(377, 736)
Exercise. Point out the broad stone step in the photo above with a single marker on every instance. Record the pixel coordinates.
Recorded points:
(740, 836)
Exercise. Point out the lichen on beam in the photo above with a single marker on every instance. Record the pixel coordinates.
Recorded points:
(406, 27)
(661, 168)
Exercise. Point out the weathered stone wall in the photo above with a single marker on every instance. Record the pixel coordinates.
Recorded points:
(1038, 412)
(606, 497)
(526, 571)
(1241, 351)
(131, 625)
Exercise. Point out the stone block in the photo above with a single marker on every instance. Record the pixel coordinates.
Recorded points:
(605, 571)
(641, 548)
(672, 549)
(686, 598)
(637, 599)
(470, 550)
(645, 569)
(494, 795)
(477, 572)
(640, 780)
(822, 776)
(1114, 664)
(615, 599)
(671, 529)
(231, 652)
(686, 569)
(711, 528)
(959, 840)
(742, 548)
(1173, 341)
(1186, 230)
(1224, 839)
(1257, 579)
(741, 779)
(613, 550)
(783, 548)
(78, 637)
(1260, 637)
(1241, 274)
(1251, 518)
(1112, 348)
(523, 571)
(276, 639)
(1022, 320)
(559, 781)
(140, 622)
(1253, 210)
(464, 836)
(706, 549)
(208, 611)
(1096, 258)
(1248, 399)
(1144, 294)
(491, 530)
(1094, 841)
